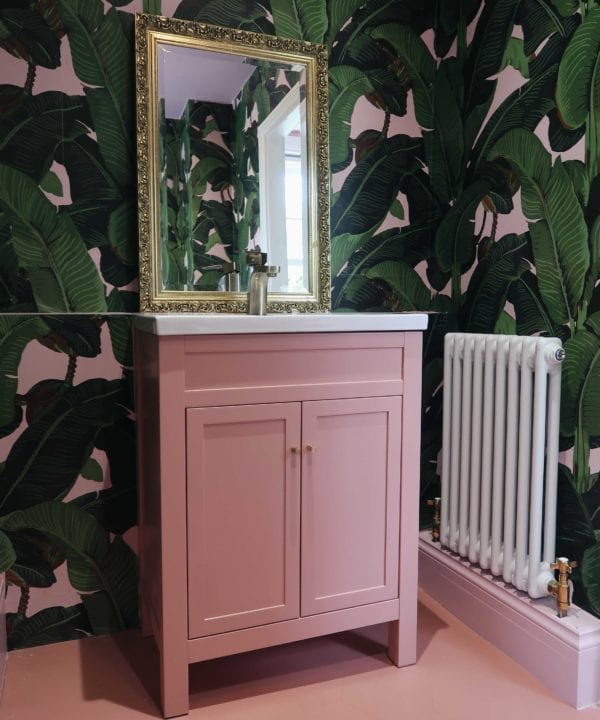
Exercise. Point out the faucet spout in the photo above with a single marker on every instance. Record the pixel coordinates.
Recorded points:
(259, 280)
(257, 289)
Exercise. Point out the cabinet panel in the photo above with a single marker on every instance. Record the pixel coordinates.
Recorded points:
(350, 502)
(243, 516)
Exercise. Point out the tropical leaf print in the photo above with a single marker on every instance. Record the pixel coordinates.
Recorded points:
(49, 248)
(558, 231)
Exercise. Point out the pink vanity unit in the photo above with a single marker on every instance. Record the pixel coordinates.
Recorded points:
(279, 477)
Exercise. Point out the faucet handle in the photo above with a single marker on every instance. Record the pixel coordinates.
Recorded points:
(256, 257)
(563, 565)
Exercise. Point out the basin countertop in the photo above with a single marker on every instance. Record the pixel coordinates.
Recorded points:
(235, 324)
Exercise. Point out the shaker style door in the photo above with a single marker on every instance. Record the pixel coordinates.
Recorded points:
(243, 481)
(350, 502)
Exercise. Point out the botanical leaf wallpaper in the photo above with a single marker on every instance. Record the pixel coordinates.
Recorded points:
(465, 180)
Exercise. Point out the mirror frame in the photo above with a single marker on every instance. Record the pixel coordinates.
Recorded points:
(150, 30)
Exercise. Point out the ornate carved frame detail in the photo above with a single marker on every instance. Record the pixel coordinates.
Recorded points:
(149, 29)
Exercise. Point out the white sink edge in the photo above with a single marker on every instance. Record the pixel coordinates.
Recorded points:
(229, 324)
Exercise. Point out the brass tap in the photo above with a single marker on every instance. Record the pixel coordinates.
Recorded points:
(435, 525)
(560, 588)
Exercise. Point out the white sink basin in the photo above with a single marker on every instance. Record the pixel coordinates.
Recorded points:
(232, 324)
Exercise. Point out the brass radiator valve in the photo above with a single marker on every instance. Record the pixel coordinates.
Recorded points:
(560, 588)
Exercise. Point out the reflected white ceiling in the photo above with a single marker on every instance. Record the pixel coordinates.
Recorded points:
(191, 74)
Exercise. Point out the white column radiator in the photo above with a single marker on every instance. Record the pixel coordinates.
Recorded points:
(500, 454)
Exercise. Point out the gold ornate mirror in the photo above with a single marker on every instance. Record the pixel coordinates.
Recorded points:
(232, 161)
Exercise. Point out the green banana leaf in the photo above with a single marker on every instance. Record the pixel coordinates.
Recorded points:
(346, 85)
(92, 470)
(574, 531)
(486, 52)
(52, 184)
(119, 326)
(94, 562)
(410, 291)
(51, 251)
(553, 48)
(371, 187)
(28, 34)
(300, 19)
(476, 116)
(13, 288)
(451, 18)
(220, 216)
(591, 500)
(541, 18)
(30, 566)
(455, 241)
(378, 63)
(578, 84)
(409, 245)
(113, 270)
(436, 106)
(113, 508)
(524, 108)
(32, 133)
(74, 334)
(424, 207)
(488, 287)
(338, 14)
(420, 64)
(561, 138)
(530, 313)
(361, 295)
(50, 625)
(590, 575)
(102, 56)
(94, 192)
(7, 553)
(343, 246)
(506, 324)
(245, 14)
(593, 323)
(444, 145)
(380, 12)
(580, 401)
(16, 332)
(577, 171)
(594, 269)
(122, 233)
(47, 457)
(514, 56)
(558, 230)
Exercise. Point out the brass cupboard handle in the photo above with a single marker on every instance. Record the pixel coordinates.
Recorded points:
(309, 448)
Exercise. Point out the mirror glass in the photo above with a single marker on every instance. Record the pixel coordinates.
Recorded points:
(232, 160)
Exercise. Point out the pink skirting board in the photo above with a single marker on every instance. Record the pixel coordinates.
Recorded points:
(563, 653)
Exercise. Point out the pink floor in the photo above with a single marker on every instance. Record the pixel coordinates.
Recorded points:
(458, 676)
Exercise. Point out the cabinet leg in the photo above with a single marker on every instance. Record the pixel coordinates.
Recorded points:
(401, 644)
(174, 687)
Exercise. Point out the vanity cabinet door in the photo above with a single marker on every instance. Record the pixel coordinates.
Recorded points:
(243, 482)
(350, 502)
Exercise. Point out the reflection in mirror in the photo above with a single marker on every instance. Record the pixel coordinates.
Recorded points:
(236, 164)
